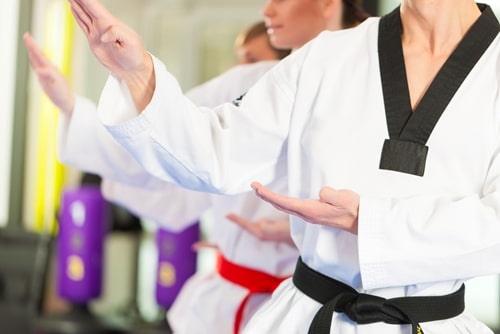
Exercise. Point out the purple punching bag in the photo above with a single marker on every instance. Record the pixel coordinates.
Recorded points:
(176, 261)
(83, 224)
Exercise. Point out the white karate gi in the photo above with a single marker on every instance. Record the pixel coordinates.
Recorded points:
(417, 235)
(206, 301)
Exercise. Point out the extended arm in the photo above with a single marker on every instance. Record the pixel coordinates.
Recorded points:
(168, 205)
(83, 142)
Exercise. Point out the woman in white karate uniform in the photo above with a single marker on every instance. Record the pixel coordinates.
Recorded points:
(393, 124)
(206, 300)
(175, 207)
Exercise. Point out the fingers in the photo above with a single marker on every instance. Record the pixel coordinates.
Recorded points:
(81, 17)
(238, 219)
(307, 209)
(199, 245)
(266, 194)
(283, 203)
(88, 12)
(255, 186)
(345, 199)
(34, 52)
(37, 57)
(38, 60)
(93, 9)
(244, 223)
(28, 41)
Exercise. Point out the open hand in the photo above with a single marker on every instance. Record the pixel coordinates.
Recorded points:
(265, 229)
(53, 82)
(117, 47)
(114, 44)
(335, 208)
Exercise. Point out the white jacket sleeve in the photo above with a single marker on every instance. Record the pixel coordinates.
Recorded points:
(220, 150)
(85, 144)
(170, 206)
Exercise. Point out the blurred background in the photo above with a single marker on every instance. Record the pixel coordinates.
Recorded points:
(195, 38)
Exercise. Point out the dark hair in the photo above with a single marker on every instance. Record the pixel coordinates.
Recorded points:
(256, 30)
(353, 13)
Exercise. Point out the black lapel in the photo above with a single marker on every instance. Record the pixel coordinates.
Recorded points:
(409, 131)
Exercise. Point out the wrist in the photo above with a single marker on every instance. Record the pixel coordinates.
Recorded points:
(141, 82)
(70, 106)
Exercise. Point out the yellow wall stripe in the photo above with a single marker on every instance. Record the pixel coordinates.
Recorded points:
(58, 44)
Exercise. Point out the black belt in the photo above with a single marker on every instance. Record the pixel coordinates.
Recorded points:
(365, 309)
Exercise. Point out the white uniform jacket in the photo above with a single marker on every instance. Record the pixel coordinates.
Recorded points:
(206, 297)
(417, 235)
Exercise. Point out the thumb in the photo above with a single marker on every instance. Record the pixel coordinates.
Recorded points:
(328, 195)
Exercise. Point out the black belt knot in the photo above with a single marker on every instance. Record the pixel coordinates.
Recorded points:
(365, 309)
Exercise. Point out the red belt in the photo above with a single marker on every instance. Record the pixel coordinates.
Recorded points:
(254, 280)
